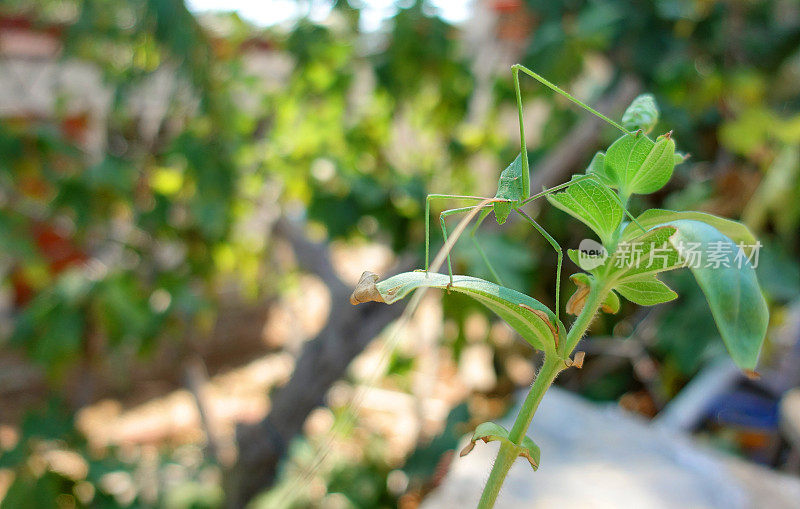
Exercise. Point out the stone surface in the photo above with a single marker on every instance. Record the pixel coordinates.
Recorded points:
(600, 457)
(790, 417)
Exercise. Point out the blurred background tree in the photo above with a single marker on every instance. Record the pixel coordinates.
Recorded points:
(168, 179)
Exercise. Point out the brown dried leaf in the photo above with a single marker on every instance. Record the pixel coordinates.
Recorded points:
(578, 300)
(466, 450)
(366, 291)
(543, 316)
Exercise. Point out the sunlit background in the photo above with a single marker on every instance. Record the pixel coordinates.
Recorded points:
(189, 192)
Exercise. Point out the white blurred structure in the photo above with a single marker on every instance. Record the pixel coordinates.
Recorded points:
(600, 457)
(35, 84)
(39, 85)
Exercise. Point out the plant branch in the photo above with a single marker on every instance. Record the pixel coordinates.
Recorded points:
(597, 293)
(551, 367)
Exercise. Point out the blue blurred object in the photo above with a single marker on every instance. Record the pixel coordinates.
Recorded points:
(746, 409)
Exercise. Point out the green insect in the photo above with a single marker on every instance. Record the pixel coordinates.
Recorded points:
(513, 188)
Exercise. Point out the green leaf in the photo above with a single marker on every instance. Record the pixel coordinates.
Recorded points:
(722, 270)
(581, 279)
(611, 303)
(573, 255)
(597, 168)
(490, 432)
(592, 203)
(625, 156)
(645, 290)
(530, 451)
(734, 230)
(641, 114)
(657, 169)
(649, 253)
(732, 291)
(638, 165)
(525, 314)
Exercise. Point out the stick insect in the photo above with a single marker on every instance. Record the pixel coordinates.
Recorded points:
(513, 190)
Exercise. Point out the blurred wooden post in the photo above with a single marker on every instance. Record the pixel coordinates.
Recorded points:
(322, 361)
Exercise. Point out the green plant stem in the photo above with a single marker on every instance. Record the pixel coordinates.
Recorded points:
(551, 367)
(508, 453)
(596, 295)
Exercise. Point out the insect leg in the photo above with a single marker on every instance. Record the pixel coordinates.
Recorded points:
(553, 189)
(523, 147)
(428, 217)
(559, 252)
(483, 216)
(442, 217)
(551, 86)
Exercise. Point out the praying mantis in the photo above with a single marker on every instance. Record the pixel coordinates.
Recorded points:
(512, 195)
(633, 164)
(513, 190)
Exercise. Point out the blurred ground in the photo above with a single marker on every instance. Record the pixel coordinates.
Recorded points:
(599, 456)
(240, 394)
